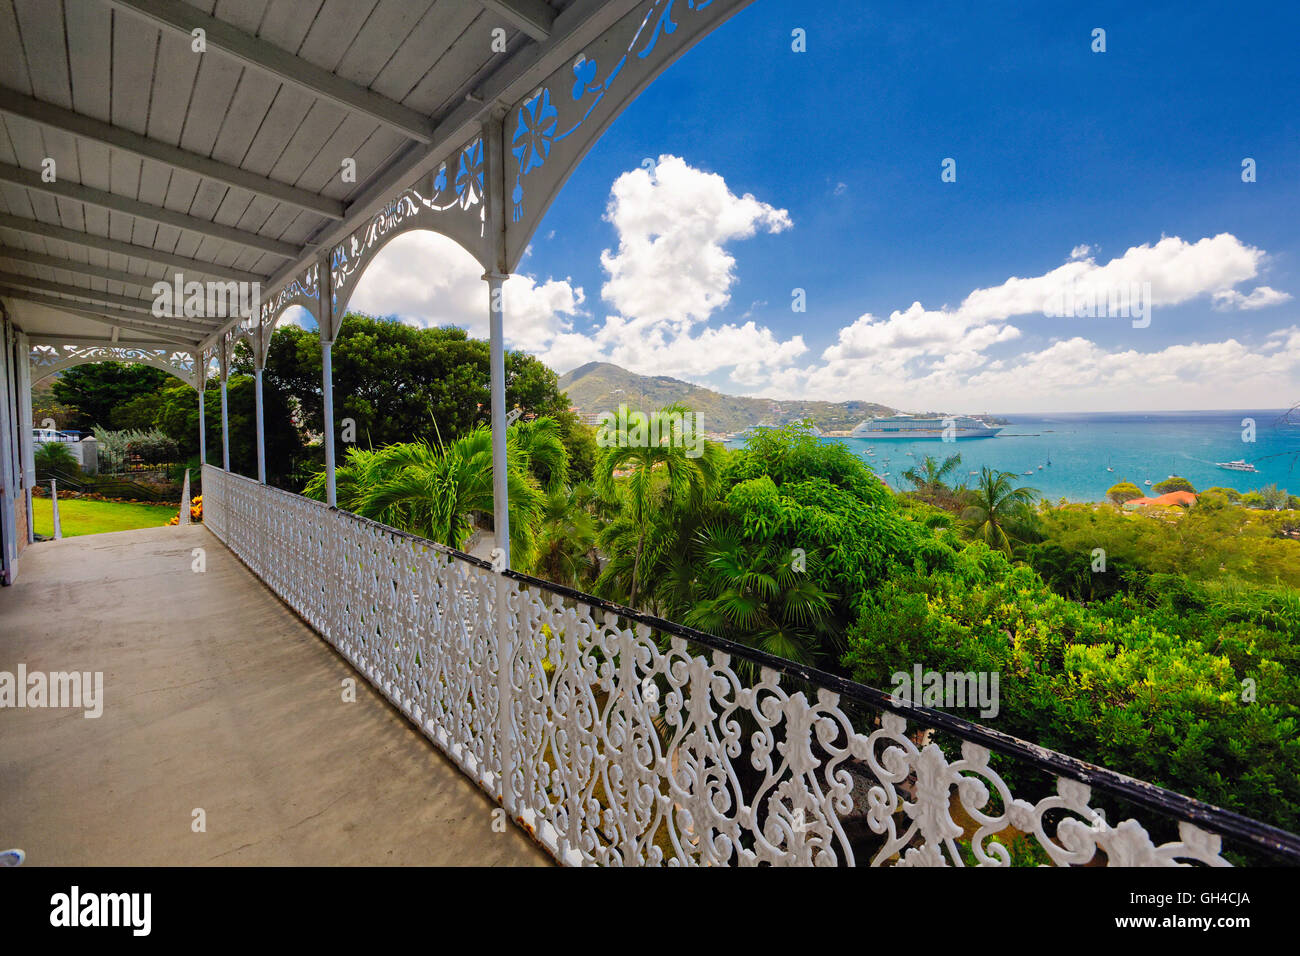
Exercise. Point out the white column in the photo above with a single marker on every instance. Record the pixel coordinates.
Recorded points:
(54, 509)
(203, 431)
(225, 428)
(497, 362)
(261, 432)
(327, 407)
(27, 453)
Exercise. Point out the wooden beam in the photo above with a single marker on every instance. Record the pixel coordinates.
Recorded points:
(143, 210)
(18, 281)
(104, 316)
(81, 268)
(268, 58)
(50, 231)
(534, 17)
(85, 127)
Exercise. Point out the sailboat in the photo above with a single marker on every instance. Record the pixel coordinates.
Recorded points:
(1108, 467)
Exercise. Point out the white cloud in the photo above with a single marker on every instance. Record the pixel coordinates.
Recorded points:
(428, 280)
(672, 222)
(1261, 298)
(932, 358)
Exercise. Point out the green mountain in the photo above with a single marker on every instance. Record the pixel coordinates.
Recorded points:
(600, 387)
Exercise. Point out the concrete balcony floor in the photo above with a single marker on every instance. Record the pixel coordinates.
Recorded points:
(216, 697)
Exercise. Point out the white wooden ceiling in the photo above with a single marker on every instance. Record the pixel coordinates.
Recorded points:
(227, 164)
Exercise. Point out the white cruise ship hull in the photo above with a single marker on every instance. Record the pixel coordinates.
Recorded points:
(918, 434)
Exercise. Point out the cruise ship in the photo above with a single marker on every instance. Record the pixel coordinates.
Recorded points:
(909, 427)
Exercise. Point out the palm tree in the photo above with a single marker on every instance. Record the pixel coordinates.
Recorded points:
(930, 477)
(566, 552)
(996, 510)
(658, 478)
(435, 491)
(751, 592)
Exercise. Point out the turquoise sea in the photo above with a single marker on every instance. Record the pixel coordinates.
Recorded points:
(1138, 445)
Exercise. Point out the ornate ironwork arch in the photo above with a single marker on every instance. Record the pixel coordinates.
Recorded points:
(46, 360)
(450, 202)
(549, 132)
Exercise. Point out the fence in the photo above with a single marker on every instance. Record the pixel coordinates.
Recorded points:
(618, 738)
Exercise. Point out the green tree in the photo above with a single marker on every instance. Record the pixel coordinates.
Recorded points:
(97, 388)
(1123, 491)
(1173, 484)
(55, 456)
(997, 511)
(178, 417)
(400, 384)
(566, 551)
(929, 477)
(657, 478)
(760, 595)
(438, 491)
(138, 414)
(1273, 497)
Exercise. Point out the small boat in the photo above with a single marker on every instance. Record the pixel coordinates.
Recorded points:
(1029, 473)
(1238, 464)
(1147, 482)
(1040, 467)
(1108, 467)
(974, 472)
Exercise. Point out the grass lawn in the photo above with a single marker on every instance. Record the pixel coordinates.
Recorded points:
(86, 516)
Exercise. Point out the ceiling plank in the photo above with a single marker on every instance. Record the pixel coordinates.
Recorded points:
(81, 268)
(19, 281)
(534, 17)
(142, 210)
(50, 231)
(109, 317)
(270, 59)
(84, 127)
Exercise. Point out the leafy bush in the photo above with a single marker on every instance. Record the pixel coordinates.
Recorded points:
(153, 448)
(1123, 491)
(55, 456)
(1173, 484)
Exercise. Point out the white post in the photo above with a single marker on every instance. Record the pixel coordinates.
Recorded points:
(185, 501)
(327, 402)
(497, 362)
(54, 508)
(26, 451)
(201, 371)
(225, 418)
(203, 432)
(261, 433)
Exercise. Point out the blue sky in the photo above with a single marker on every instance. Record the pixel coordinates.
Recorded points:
(1061, 154)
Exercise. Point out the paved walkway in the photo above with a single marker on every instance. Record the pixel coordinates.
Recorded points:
(215, 697)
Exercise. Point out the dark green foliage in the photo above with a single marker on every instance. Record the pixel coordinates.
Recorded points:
(96, 389)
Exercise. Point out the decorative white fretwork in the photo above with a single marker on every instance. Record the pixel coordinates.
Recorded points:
(621, 751)
(548, 132)
(450, 202)
(48, 359)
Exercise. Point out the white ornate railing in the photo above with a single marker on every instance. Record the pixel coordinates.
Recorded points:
(616, 749)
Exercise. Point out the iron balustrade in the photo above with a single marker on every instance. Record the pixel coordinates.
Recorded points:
(628, 739)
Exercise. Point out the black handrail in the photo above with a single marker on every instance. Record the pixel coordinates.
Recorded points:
(1272, 840)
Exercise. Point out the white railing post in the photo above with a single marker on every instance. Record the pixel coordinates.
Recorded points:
(54, 509)
(495, 256)
(225, 418)
(203, 436)
(261, 434)
(184, 518)
(327, 407)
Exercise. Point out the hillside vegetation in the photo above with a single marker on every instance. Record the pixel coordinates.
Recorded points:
(599, 387)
